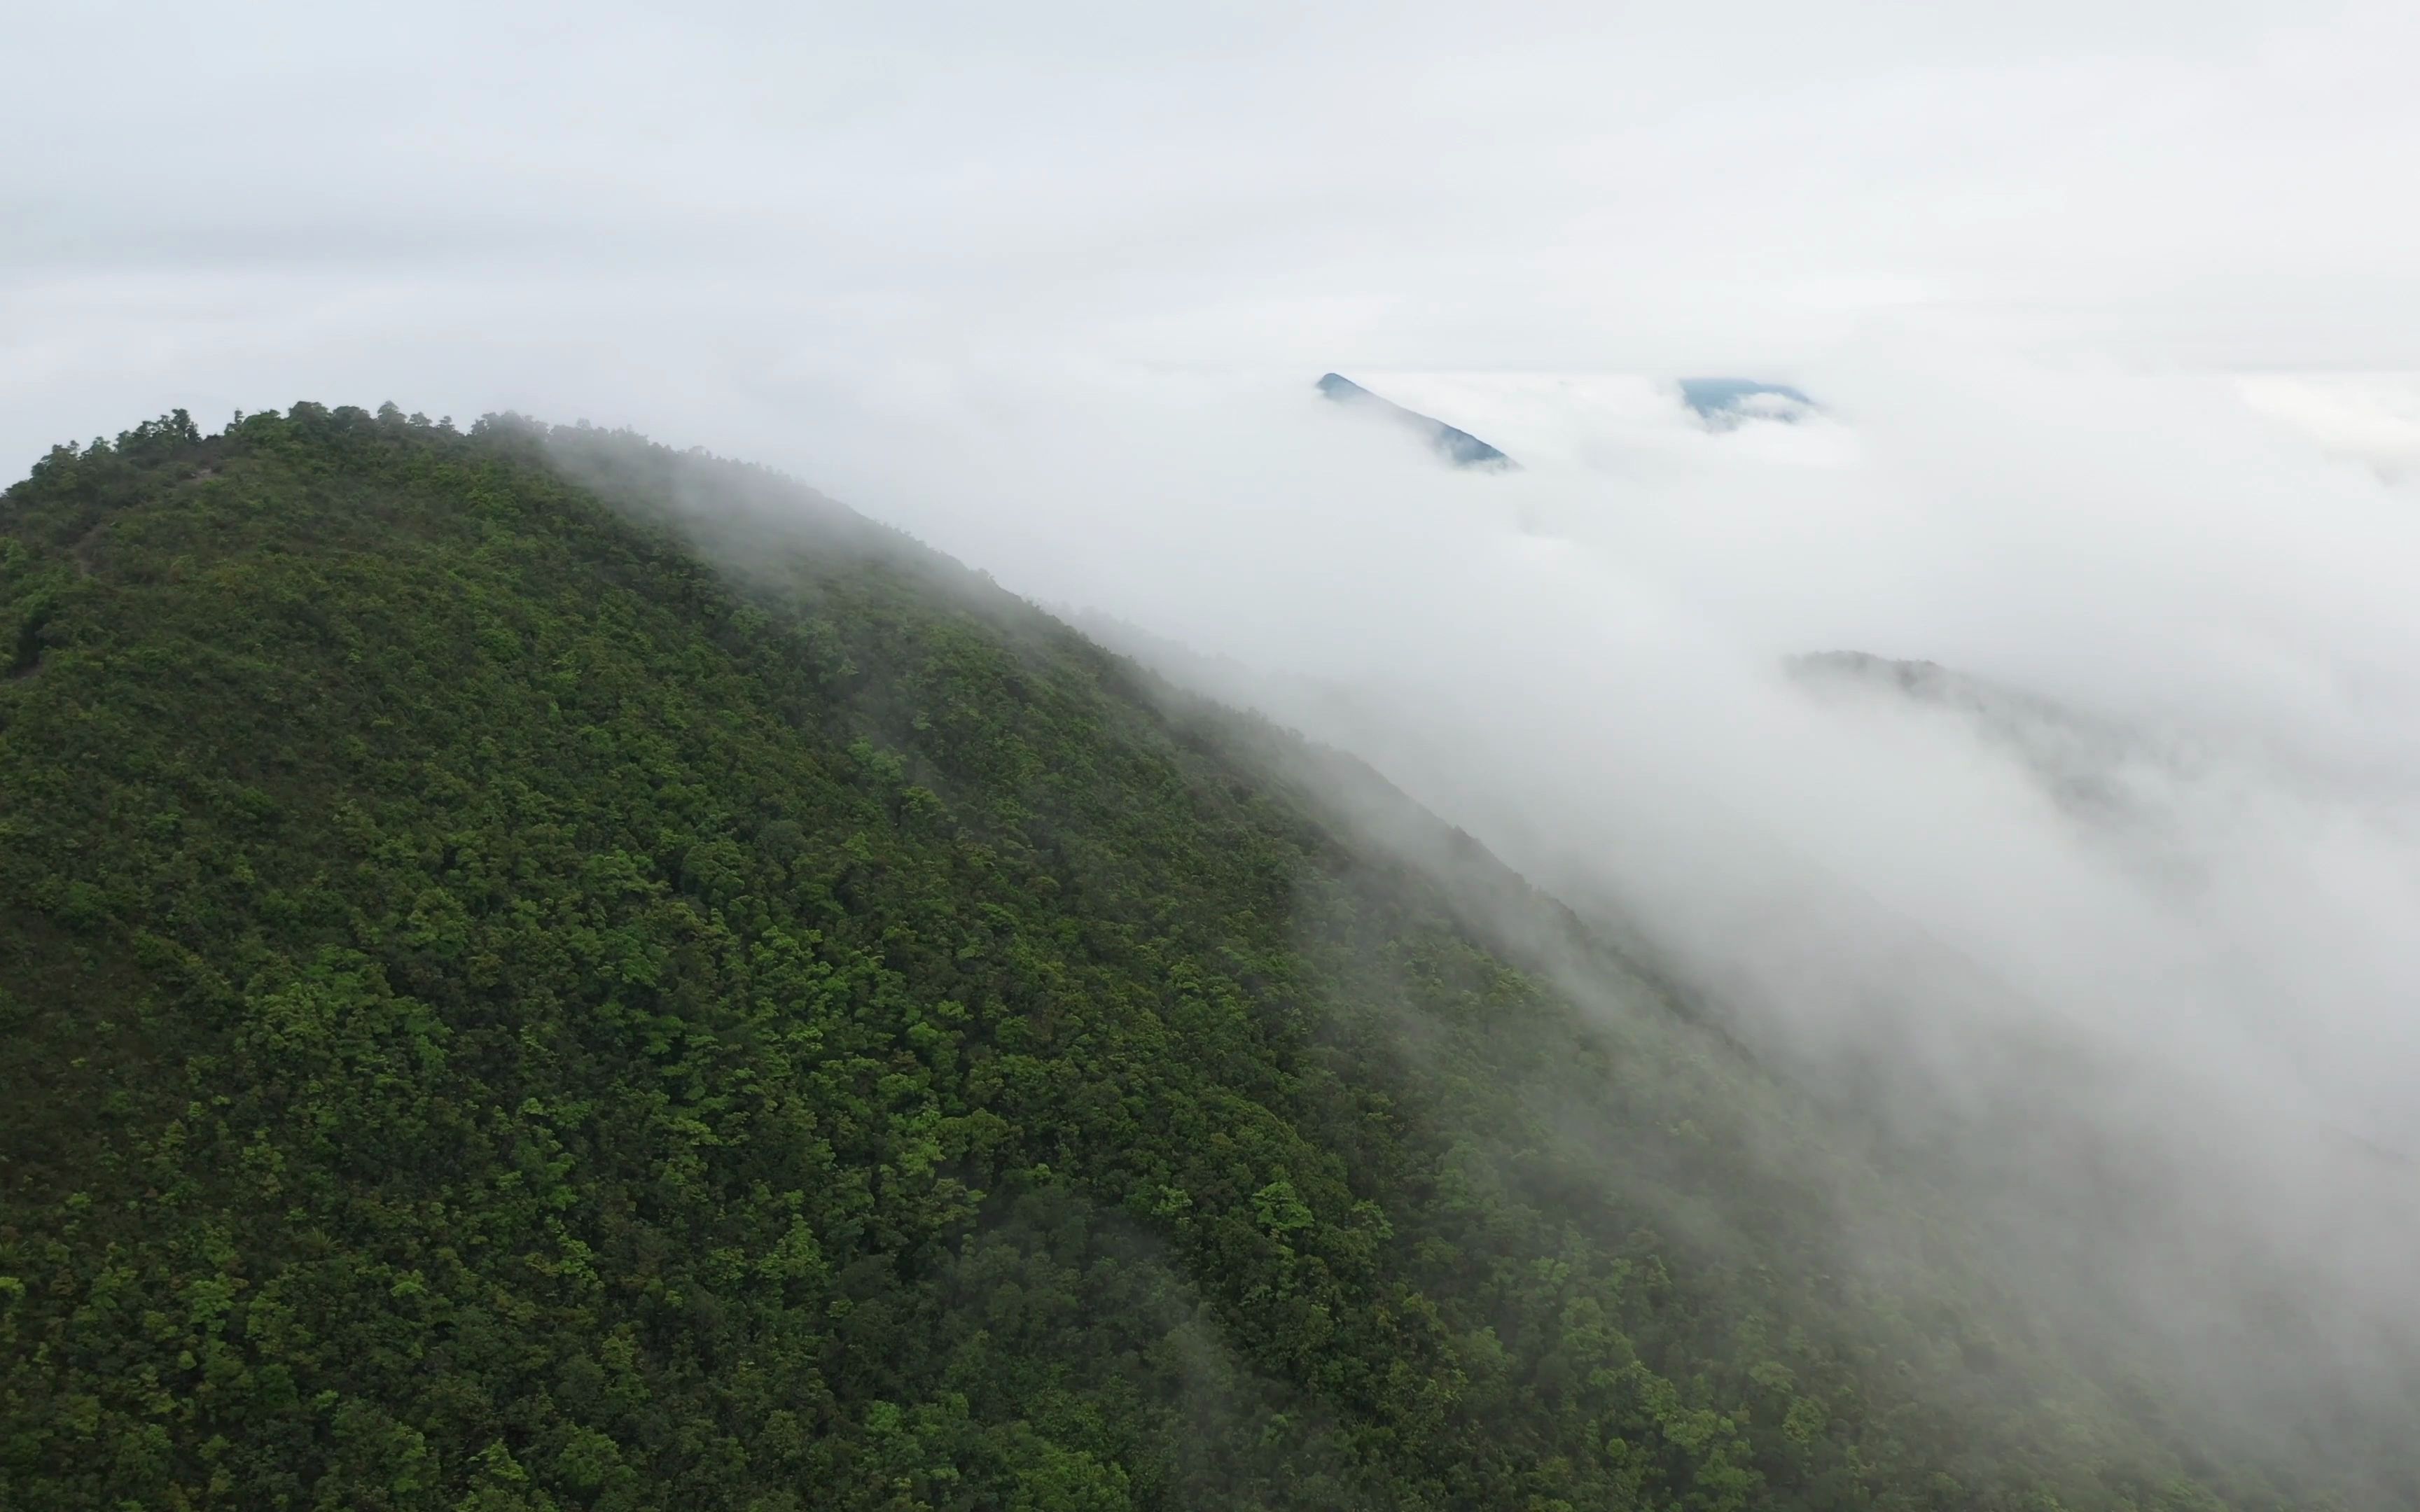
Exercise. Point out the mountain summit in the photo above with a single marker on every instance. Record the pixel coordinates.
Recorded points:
(1456, 445)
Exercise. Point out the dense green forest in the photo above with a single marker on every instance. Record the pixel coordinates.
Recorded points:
(541, 971)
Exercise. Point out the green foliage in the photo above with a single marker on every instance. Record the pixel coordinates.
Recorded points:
(500, 1015)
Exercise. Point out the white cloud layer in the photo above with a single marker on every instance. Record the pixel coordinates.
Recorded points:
(2184, 951)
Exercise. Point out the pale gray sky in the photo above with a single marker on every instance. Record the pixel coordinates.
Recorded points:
(554, 205)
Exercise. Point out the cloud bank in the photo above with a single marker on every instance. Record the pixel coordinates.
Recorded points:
(2122, 938)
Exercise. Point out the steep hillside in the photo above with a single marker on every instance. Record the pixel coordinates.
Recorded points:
(1456, 445)
(499, 1011)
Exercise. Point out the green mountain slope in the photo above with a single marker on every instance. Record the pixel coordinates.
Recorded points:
(499, 1011)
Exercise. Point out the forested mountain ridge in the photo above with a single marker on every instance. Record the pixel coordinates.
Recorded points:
(499, 1011)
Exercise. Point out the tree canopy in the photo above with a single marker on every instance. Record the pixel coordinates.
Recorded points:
(541, 971)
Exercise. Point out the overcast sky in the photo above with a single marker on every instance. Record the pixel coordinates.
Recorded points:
(558, 207)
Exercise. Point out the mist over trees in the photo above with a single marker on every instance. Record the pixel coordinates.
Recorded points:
(546, 971)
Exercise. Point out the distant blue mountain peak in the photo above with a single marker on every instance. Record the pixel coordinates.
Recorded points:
(1725, 402)
(1456, 445)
